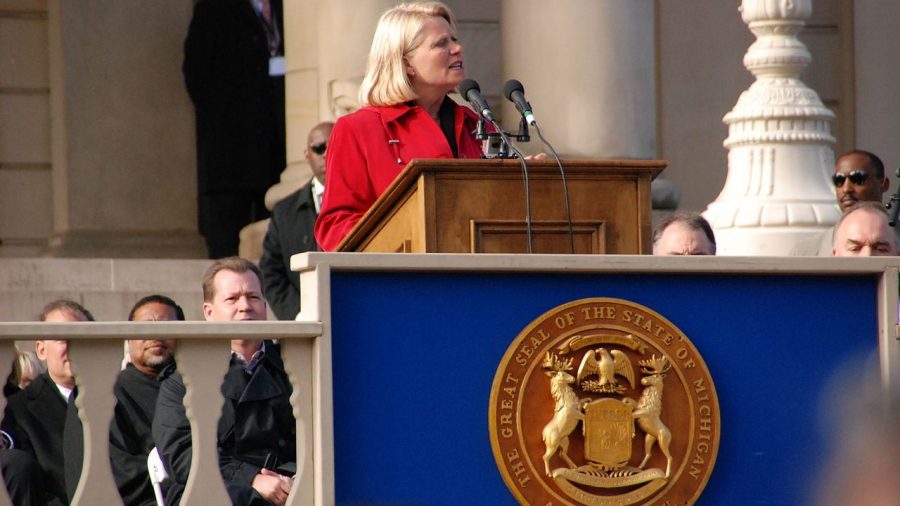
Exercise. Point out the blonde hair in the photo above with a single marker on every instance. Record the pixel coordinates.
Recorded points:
(26, 367)
(399, 33)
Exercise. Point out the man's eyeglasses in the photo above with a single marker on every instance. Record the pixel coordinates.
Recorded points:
(856, 177)
(320, 148)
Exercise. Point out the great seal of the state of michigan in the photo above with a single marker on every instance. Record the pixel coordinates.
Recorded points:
(603, 401)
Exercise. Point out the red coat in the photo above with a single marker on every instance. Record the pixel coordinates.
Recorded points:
(362, 161)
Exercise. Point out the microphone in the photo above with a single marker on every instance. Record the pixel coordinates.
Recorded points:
(470, 90)
(515, 93)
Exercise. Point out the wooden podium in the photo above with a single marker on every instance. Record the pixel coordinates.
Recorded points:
(478, 206)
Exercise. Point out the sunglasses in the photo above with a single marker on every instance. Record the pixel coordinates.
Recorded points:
(319, 148)
(856, 177)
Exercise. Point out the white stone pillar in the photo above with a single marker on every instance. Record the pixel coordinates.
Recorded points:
(777, 192)
(589, 72)
(326, 45)
(122, 131)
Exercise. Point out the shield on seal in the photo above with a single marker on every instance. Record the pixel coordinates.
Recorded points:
(609, 429)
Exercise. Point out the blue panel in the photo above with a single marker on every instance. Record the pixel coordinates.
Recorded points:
(415, 355)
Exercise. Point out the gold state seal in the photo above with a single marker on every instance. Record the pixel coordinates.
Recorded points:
(603, 402)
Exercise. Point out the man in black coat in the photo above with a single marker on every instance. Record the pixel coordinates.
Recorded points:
(233, 69)
(291, 230)
(136, 390)
(257, 430)
(35, 417)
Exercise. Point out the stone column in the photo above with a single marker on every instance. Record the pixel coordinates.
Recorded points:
(588, 67)
(122, 131)
(777, 193)
(326, 44)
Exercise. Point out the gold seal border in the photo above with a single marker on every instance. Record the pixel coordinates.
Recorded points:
(680, 337)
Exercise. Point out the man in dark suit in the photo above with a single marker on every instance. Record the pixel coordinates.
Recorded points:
(291, 230)
(35, 417)
(257, 431)
(136, 390)
(234, 72)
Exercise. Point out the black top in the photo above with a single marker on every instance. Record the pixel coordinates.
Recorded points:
(130, 438)
(447, 115)
(257, 428)
(35, 419)
(290, 232)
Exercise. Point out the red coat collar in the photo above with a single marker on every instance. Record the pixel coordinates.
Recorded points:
(391, 113)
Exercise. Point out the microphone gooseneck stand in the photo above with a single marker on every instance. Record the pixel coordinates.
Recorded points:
(565, 183)
(514, 91)
(894, 204)
(501, 151)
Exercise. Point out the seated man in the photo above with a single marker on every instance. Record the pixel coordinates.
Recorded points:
(136, 390)
(35, 417)
(863, 230)
(684, 234)
(257, 431)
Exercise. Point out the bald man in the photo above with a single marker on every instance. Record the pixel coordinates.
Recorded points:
(864, 231)
(684, 234)
(291, 230)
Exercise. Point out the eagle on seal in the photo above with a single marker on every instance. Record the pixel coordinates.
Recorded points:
(609, 364)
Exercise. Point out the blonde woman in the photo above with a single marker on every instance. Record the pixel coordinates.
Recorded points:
(414, 62)
(26, 367)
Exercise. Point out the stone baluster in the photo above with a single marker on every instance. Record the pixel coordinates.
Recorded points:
(7, 349)
(101, 361)
(777, 192)
(95, 349)
(203, 404)
(299, 357)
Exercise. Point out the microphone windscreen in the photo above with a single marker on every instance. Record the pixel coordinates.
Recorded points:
(466, 86)
(511, 86)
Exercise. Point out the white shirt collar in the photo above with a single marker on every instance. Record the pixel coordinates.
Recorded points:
(318, 190)
(66, 392)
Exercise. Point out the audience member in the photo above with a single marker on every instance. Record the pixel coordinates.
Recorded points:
(234, 72)
(35, 417)
(136, 390)
(859, 419)
(257, 431)
(291, 230)
(25, 368)
(684, 234)
(863, 230)
(858, 177)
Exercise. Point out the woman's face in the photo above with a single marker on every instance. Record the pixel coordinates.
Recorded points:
(436, 65)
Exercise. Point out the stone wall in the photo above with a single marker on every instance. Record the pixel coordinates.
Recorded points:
(106, 287)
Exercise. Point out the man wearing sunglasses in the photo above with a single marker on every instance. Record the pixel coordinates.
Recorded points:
(858, 177)
(291, 230)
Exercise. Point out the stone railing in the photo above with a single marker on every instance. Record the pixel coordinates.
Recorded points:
(95, 350)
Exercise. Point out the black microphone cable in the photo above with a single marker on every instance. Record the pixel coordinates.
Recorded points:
(515, 93)
(470, 90)
(565, 183)
(524, 164)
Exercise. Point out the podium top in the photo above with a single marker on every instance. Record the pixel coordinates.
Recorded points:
(496, 168)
